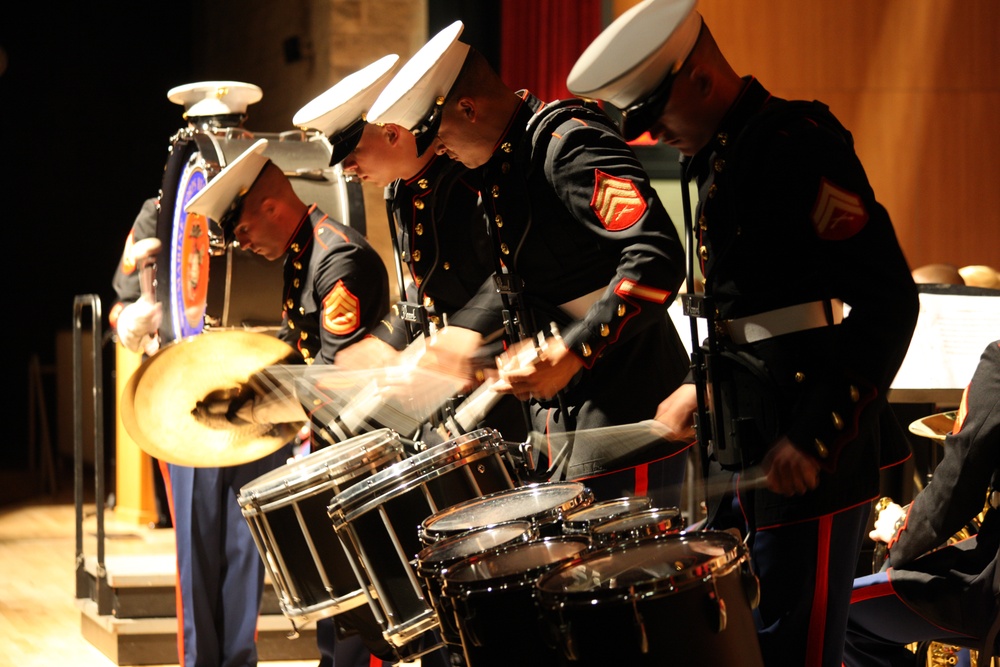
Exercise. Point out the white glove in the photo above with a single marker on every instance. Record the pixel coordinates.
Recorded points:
(138, 324)
(887, 523)
(258, 401)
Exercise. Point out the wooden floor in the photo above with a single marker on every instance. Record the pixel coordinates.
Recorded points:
(40, 622)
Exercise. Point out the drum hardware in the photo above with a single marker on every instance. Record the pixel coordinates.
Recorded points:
(493, 596)
(636, 525)
(374, 522)
(159, 398)
(286, 512)
(637, 591)
(543, 505)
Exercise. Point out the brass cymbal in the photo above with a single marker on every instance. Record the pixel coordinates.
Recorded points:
(157, 403)
(935, 426)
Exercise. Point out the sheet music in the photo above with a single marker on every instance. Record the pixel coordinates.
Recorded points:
(952, 331)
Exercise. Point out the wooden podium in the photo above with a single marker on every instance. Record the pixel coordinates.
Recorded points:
(135, 496)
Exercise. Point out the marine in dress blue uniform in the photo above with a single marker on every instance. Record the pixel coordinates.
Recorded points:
(220, 574)
(931, 587)
(335, 285)
(580, 239)
(787, 227)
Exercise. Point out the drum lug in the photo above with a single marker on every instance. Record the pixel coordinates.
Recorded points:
(639, 622)
(751, 585)
(717, 607)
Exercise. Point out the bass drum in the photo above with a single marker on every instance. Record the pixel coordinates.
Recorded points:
(201, 282)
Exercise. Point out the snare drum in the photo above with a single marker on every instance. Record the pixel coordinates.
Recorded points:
(643, 523)
(286, 511)
(543, 505)
(582, 521)
(434, 560)
(493, 598)
(377, 523)
(626, 604)
(244, 289)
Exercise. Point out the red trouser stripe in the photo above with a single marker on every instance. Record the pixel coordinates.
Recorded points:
(817, 618)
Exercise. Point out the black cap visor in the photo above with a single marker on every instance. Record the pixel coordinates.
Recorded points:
(343, 143)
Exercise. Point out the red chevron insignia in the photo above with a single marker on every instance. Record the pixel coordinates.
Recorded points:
(616, 201)
(341, 311)
(838, 214)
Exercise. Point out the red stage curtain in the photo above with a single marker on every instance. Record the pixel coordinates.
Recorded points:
(540, 40)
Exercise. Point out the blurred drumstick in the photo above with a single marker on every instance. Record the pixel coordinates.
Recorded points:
(145, 252)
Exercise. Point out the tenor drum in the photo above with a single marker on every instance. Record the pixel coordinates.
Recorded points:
(286, 511)
(643, 523)
(377, 524)
(493, 598)
(433, 561)
(201, 282)
(624, 604)
(543, 505)
(584, 520)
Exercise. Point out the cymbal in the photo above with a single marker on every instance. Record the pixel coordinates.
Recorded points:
(157, 403)
(936, 426)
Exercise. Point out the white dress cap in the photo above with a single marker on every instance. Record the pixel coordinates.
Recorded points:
(215, 98)
(348, 100)
(409, 98)
(630, 58)
(229, 185)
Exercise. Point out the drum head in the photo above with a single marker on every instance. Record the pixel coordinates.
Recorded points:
(519, 563)
(478, 541)
(551, 499)
(406, 475)
(660, 563)
(330, 465)
(583, 519)
(653, 521)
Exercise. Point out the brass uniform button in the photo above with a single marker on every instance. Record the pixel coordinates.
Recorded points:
(621, 310)
(506, 147)
(838, 421)
(855, 394)
(719, 165)
(291, 323)
(495, 191)
(419, 204)
(723, 138)
(289, 303)
(585, 350)
(418, 229)
(821, 449)
(416, 255)
(423, 184)
(703, 252)
(504, 249)
(800, 377)
(605, 331)
(295, 247)
(499, 221)
(296, 282)
(297, 265)
(303, 335)
(446, 265)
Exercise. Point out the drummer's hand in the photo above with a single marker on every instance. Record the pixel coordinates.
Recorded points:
(548, 370)
(138, 324)
(249, 403)
(450, 351)
(676, 413)
(790, 471)
(369, 352)
(885, 523)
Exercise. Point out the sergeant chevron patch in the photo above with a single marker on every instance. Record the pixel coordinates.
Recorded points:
(341, 311)
(838, 214)
(616, 201)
